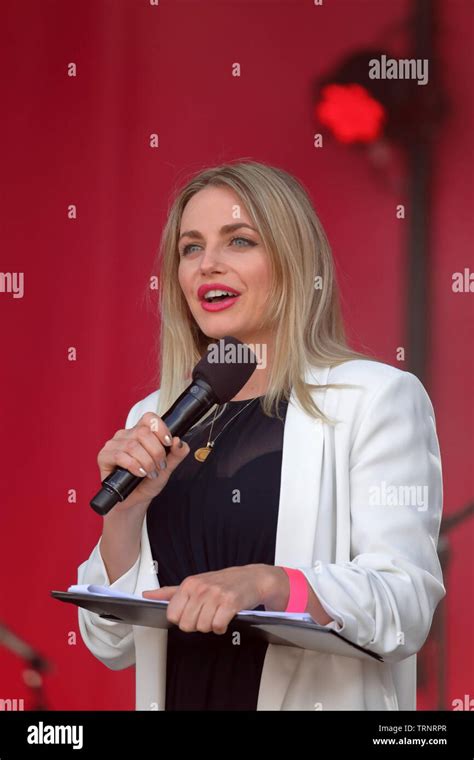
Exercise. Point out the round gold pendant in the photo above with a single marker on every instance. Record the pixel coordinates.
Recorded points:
(202, 454)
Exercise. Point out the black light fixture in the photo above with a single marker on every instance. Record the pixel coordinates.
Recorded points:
(372, 95)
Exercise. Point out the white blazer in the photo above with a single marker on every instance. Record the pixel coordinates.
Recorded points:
(359, 514)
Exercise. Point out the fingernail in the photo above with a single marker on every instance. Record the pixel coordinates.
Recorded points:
(168, 440)
(142, 471)
(153, 475)
(164, 464)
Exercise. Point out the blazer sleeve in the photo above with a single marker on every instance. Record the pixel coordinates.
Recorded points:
(111, 642)
(385, 597)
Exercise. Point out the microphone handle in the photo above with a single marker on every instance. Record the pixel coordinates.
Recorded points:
(188, 408)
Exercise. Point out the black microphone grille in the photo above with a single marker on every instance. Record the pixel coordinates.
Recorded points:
(226, 366)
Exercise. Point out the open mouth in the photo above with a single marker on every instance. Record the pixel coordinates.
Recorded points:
(223, 297)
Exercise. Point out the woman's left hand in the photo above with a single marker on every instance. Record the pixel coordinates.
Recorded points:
(208, 601)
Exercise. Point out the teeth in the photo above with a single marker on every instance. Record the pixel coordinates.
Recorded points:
(213, 293)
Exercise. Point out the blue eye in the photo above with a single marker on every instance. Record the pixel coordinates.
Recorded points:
(191, 245)
(186, 247)
(248, 242)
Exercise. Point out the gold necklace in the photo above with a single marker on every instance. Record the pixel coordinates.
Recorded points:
(202, 453)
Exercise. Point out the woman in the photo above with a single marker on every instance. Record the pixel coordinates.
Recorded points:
(316, 465)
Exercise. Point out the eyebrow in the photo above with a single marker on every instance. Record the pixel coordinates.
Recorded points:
(223, 231)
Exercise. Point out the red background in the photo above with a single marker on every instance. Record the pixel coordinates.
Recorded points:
(167, 69)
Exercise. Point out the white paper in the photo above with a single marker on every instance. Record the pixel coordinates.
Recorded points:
(107, 591)
(282, 615)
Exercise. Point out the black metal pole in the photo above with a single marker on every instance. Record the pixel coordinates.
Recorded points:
(419, 264)
(420, 163)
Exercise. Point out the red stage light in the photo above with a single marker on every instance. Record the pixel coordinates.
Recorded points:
(351, 113)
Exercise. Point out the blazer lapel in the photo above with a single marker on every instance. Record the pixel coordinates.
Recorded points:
(302, 457)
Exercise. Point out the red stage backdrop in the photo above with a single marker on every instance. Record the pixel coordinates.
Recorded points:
(84, 141)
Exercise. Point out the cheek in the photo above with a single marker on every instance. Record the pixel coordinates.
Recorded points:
(263, 278)
(182, 277)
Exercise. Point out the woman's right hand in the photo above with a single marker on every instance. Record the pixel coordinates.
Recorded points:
(142, 447)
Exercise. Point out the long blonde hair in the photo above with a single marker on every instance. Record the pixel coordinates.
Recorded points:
(307, 319)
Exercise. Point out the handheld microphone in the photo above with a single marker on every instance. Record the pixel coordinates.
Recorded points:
(213, 382)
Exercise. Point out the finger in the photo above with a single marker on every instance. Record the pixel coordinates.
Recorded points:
(163, 594)
(222, 618)
(205, 618)
(155, 424)
(136, 460)
(152, 446)
(122, 459)
(176, 454)
(177, 605)
(191, 611)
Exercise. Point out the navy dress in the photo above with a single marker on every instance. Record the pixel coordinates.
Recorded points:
(211, 515)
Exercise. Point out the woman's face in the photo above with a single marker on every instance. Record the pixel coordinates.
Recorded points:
(229, 258)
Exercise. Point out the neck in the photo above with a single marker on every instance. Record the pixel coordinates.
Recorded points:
(256, 385)
(246, 394)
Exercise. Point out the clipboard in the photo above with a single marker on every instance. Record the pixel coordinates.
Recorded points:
(271, 628)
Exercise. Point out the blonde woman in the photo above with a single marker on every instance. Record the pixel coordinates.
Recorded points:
(322, 476)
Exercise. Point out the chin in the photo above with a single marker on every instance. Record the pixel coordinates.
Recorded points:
(221, 334)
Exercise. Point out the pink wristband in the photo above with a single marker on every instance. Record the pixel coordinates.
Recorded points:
(298, 600)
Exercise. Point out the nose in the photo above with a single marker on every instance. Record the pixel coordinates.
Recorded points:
(211, 261)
